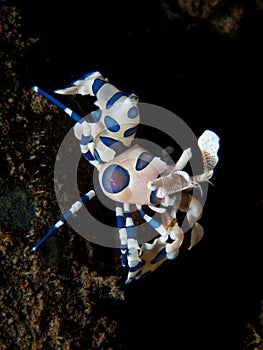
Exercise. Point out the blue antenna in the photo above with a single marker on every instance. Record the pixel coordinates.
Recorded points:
(84, 199)
(67, 110)
(73, 209)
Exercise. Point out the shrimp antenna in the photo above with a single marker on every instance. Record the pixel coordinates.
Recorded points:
(67, 110)
(73, 209)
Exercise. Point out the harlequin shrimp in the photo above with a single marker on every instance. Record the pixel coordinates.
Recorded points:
(131, 175)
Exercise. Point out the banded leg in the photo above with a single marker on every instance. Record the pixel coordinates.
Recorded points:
(113, 104)
(122, 233)
(132, 244)
(82, 131)
(73, 209)
(156, 225)
(129, 245)
(170, 230)
(82, 128)
(154, 254)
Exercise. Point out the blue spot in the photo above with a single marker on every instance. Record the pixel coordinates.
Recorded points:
(143, 161)
(96, 115)
(115, 98)
(130, 131)
(153, 198)
(98, 83)
(133, 112)
(115, 178)
(111, 124)
(108, 141)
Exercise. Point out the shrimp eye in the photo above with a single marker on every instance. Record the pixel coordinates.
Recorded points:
(115, 178)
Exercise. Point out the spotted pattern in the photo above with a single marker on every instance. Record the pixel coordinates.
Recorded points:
(111, 124)
(96, 115)
(115, 178)
(115, 98)
(108, 141)
(98, 83)
(130, 131)
(143, 161)
(132, 112)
